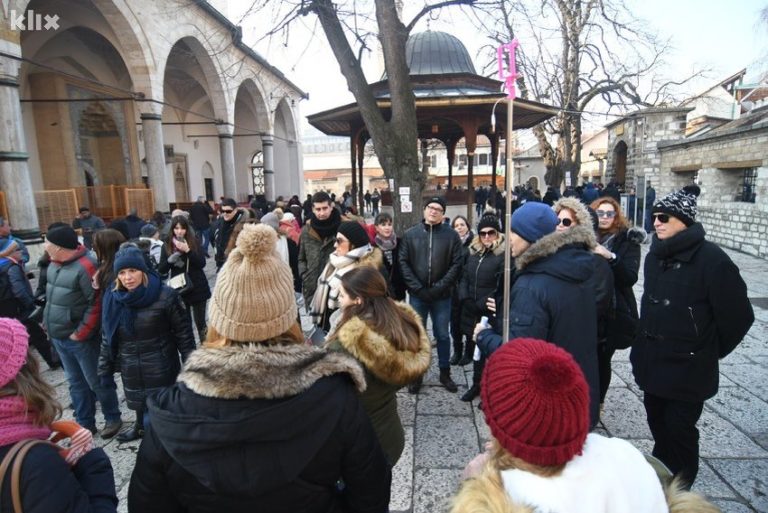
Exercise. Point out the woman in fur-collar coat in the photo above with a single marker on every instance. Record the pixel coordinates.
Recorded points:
(259, 421)
(388, 339)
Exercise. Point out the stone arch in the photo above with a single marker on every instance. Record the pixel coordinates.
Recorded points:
(212, 81)
(287, 162)
(620, 162)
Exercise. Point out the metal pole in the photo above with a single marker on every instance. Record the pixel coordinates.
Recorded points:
(509, 173)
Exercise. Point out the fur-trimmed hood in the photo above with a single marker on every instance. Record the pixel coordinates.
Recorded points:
(264, 371)
(552, 243)
(577, 207)
(377, 355)
(477, 246)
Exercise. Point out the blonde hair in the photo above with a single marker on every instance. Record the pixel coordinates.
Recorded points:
(293, 335)
(119, 285)
(39, 396)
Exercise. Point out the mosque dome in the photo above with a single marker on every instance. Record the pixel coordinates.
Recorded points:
(437, 53)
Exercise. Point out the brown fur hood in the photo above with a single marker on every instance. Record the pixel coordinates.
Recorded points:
(550, 244)
(377, 354)
(374, 259)
(263, 371)
(486, 493)
(577, 207)
(477, 246)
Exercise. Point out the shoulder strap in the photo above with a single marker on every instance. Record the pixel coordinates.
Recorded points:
(16, 455)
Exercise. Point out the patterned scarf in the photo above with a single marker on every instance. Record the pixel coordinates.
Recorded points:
(326, 298)
(387, 246)
(17, 422)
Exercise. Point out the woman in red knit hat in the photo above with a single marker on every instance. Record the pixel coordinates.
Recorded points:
(542, 456)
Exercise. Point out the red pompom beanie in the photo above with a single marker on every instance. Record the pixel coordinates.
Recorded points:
(536, 401)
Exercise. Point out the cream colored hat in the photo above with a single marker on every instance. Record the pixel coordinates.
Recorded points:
(253, 299)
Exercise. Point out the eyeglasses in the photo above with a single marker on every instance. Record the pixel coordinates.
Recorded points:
(227, 210)
(663, 218)
(340, 241)
(565, 222)
(434, 209)
(606, 213)
(487, 233)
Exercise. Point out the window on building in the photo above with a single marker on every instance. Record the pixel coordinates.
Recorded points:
(483, 159)
(462, 161)
(433, 161)
(748, 185)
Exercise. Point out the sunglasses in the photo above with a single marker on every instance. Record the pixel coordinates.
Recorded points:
(663, 218)
(565, 222)
(606, 213)
(487, 233)
(226, 210)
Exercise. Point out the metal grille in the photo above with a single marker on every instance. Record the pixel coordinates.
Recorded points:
(748, 183)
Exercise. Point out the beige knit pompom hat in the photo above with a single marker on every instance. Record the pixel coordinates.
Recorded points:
(253, 299)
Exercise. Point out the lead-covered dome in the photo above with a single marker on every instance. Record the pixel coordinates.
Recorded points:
(437, 53)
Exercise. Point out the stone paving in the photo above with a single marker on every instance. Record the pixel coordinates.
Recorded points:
(443, 433)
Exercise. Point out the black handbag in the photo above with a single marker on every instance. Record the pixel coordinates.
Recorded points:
(181, 282)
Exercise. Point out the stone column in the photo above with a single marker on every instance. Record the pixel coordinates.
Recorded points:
(268, 147)
(14, 168)
(227, 156)
(154, 153)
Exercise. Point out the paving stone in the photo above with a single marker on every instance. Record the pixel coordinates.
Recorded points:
(444, 442)
(742, 408)
(406, 407)
(719, 439)
(751, 376)
(732, 506)
(624, 370)
(433, 489)
(402, 477)
(624, 414)
(709, 484)
(748, 477)
(436, 400)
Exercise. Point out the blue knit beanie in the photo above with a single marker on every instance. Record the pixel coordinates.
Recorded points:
(130, 258)
(533, 221)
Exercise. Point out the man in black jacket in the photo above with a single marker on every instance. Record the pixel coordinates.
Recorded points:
(222, 229)
(430, 262)
(200, 216)
(694, 311)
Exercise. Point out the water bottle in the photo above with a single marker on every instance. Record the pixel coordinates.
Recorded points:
(477, 354)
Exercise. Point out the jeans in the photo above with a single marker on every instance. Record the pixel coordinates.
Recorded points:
(197, 312)
(204, 238)
(440, 311)
(675, 436)
(79, 360)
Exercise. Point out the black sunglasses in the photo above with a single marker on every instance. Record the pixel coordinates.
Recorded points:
(663, 218)
(487, 233)
(565, 222)
(226, 211)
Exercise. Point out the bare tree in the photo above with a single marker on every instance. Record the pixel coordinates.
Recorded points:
(577, 55)
(349, 32)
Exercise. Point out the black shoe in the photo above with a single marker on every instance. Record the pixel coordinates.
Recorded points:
(111, 429)
(465, 360)
(469, 353)
(446, 381)
(130, 435)
(455, 358)
(414, 387)
(470, 394)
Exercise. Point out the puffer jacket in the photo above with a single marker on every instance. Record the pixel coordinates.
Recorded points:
(479, 281)
(695, 310)
(200, 291)
(553, 299)
(261, 427)
(430, 260)
(72, 306)
(148, 360)
(386, 371)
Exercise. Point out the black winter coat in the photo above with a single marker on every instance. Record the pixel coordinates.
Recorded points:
(479, 280)
(431, 257)
(553, 299)
(396, 284)
(50, 485)
(695, 310)
(148, 360)
(621, 328)
(221, 230)
(200, 291)
(261, 427)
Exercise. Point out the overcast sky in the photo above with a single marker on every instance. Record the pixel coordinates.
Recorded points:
(722, 35)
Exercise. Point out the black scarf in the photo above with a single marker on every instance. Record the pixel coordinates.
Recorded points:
(680, 243)
(328, 227)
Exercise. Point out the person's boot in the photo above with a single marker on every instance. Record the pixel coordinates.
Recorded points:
(457, 347)
(135, 432)
(474, 390)
(446, 381)
(415, 386)
(469, 352)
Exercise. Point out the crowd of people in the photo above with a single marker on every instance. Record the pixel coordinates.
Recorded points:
(238, 408)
